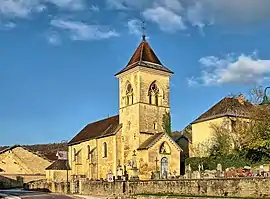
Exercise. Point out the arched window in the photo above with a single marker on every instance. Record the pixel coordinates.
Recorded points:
(88, 152)
(74, 155)
(129, 94)
(153, 94)
(105, 150)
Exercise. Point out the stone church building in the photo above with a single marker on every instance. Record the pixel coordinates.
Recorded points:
(134, 141)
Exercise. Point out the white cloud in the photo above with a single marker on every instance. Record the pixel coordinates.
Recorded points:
(24, 8)
(135, 27)
(10, 25)
(81, 31)
(129, 4)
(239, 70)
(19, 8)
(7, 25)
(166, 19)
(166, 13)
(94, 8)
(117, 4)
(69, 4)
(228, 12)
(174, 5)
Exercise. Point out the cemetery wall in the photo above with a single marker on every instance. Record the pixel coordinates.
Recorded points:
(251, 187)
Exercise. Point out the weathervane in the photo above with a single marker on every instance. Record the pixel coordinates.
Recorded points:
(143, 30)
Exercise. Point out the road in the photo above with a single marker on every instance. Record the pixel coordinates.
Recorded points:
(21, 194)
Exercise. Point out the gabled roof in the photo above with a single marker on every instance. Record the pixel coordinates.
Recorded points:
(226, 107)
(3, 148)
(149, 142)
(45, 151)
(48, 150)
(145, 56)
(101, 128)
(59, 165)
(154, 139)
(179, 137)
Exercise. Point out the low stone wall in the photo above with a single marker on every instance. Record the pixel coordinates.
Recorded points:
(251, 187)
(171, 197)
(7, 183)
(240, 187)
(103, 188)
(44, 186)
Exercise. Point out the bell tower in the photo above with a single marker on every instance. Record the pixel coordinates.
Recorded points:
(144, 90)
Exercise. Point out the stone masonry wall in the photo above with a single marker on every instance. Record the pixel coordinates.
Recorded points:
(255, 187)
(245, 187)
(7, 183)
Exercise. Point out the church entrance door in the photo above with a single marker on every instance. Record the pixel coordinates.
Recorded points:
(164, 167)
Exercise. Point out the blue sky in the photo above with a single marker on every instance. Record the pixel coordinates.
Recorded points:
(58, 58)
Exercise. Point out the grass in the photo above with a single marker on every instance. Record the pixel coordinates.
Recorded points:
(201, 196)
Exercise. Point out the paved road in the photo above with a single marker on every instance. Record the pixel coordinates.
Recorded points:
(20, 194)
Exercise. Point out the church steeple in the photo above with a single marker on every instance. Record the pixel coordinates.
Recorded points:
(144, 56)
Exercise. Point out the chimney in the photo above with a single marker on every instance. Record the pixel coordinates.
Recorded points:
(241, 99)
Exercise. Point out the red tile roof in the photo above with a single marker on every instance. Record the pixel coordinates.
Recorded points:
(59, 165)
(145, 56)
(97, 129)
(226, 107)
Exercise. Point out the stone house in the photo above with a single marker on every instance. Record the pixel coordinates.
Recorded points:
(229, 112)
(59, 171)
(134, 139)
(27, 162)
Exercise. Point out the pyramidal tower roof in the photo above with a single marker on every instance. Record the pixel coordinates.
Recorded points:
(144, 56)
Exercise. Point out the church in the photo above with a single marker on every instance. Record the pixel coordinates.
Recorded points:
(134, 141)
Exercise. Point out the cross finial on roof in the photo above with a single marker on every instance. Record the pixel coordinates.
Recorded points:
(143, 31)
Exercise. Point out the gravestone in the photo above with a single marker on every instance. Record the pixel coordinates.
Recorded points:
(189, 172)
(110, 177)
(219, 170)
(119, 173)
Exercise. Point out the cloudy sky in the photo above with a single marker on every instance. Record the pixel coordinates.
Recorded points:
(58, 58)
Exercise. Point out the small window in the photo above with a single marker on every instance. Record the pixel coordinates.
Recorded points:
(74, 155)
(105, 150)
(88, 152)
(155, 126)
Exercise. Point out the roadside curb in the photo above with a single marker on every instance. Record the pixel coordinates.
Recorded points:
(89, 197)
(69, 195)
(77, 196)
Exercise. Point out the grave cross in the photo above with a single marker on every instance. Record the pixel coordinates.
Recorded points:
(156, 163)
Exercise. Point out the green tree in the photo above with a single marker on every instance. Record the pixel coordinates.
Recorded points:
(167, 123)
(222, 141)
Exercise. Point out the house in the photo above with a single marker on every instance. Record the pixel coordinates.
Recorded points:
(227, 112)
(59, 169)
(133, 140)
(28, 162)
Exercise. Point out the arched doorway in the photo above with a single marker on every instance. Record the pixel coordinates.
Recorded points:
(164, 167)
